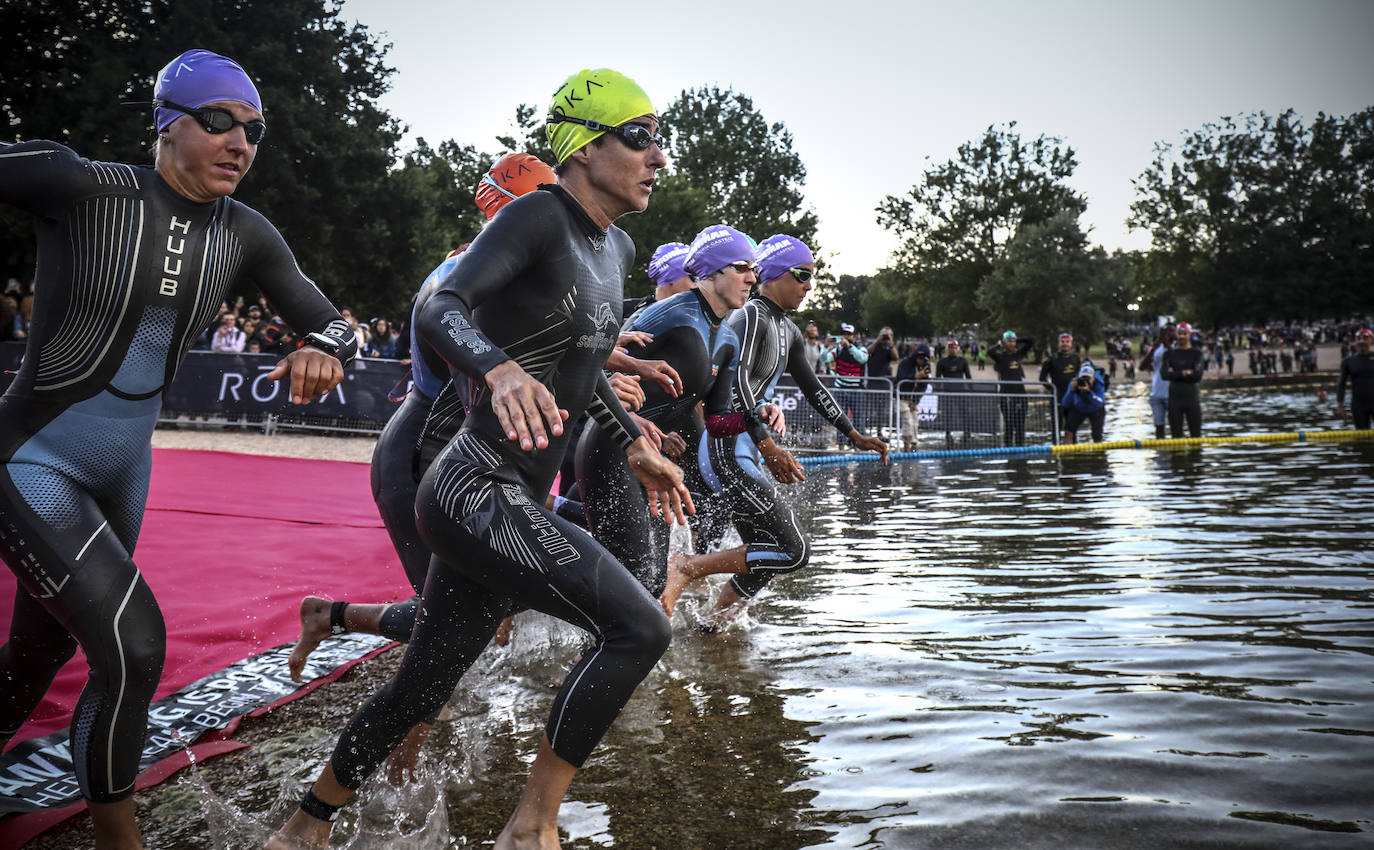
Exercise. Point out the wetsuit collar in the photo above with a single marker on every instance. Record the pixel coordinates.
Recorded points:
(584, 221)
(764, 299)
(706, 307)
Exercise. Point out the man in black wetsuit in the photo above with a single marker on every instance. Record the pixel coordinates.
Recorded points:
(733, 463)
(1182, 368)
(1006, 361)
(954, 405)
(1358, 371)
(525, 322)
(686, 332)
(132, 264)
(1061, 369)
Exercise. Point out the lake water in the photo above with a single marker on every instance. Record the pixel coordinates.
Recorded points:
(1134, 649)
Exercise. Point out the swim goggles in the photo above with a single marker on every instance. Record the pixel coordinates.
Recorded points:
(635, 136)
(216, 120)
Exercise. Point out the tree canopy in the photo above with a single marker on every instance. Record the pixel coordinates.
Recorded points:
(1262, 218)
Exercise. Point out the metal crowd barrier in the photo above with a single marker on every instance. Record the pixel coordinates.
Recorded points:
(954, 413)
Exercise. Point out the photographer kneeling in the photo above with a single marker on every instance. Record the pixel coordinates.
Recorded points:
(1085, 399)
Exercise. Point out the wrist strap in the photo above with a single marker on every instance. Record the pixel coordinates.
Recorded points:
(319, 809)
(336, 618)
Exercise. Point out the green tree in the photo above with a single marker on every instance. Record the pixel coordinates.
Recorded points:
(957, 222)
(1048, 281)
(324, 175)
(1262, 218)
(885, 303)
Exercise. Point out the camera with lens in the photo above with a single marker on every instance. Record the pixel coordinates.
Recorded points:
(1083, 382)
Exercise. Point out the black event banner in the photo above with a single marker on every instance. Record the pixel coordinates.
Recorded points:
(38, 773)
(212, 383)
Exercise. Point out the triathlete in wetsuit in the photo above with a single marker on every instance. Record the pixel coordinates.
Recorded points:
(1006, 361)
(133, 263)
(1181, 366)
(687, 333)
(1061, 368)
(1358, 371)
(732, 464)
(426, 420)
(525, 322)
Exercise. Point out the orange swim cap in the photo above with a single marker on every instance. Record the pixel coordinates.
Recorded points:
(511, 176)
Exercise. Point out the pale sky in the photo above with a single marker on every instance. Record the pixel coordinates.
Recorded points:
(875, 93)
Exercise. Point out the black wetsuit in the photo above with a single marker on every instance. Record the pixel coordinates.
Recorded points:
(691, 339)
(542, 285)
(1060, 370)
(1007, 364)
(129, 274)
(770, 344)
(1185, 402)
(414, 435)
(1358, 371)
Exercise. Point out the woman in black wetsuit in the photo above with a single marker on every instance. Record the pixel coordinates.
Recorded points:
(525, 322)
(132, 264)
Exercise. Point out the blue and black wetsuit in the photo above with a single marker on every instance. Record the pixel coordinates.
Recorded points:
(770, 344)
(541, 285)
(129, 273)
(691, 339)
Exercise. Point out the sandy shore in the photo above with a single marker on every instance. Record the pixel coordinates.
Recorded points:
(280, 444)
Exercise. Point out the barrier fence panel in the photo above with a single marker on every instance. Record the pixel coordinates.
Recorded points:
(951, 413)
(870, 408)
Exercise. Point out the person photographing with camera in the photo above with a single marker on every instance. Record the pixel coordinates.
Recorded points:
(1085, 399)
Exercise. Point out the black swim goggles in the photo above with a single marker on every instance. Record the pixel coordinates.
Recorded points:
(635, 136)
(802, 275)
(216, 120)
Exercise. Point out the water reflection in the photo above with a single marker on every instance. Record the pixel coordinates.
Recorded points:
(1133, 649)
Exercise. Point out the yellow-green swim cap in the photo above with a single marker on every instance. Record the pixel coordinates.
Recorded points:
(601, 95)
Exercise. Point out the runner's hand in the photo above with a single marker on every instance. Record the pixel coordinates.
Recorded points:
(627, 389)
(640, 338)
(771, 415)
(651, 432)
(780, 463)
(313, 373)
(864, 442)
(673, 445)
(523, 406)
(668, 496)
(660, 373)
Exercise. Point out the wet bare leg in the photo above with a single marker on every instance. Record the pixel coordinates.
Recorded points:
(534, 823)
(315, 627)
(503, 631)
(400, 765)
(114, 826)
(683, 569)
(728, 606)
(302, 830)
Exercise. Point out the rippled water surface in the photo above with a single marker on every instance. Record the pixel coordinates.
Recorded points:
(1133, 649)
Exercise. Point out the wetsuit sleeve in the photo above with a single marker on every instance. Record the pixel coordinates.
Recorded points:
(811, 387)
(506, 247)
(610, 414)
(967, 373)
(296, 297)
(1340, 385)
(1045, 372)
(40, 177)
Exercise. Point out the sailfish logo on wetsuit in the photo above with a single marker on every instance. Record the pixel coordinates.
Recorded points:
(603, 317)
(463, 332)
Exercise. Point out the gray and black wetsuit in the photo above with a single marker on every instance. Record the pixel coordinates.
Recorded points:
(129, 273)
(770, 344)
(1185, 399)
(541, 285)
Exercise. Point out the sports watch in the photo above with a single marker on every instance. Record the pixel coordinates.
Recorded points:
(327, 344)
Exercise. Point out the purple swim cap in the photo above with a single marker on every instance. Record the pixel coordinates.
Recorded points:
(198, 77)
(779, 253)
(715, 248)
(666, 266)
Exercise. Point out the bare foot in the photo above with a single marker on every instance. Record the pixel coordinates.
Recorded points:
(300, 832)
(544, 839)
(678, 580)
(502, 636)
(722, 616)
(314, 628)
